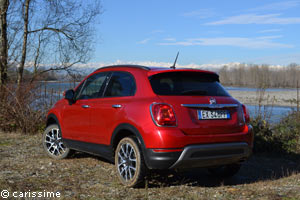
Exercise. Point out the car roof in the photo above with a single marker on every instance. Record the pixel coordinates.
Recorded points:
(155, 70)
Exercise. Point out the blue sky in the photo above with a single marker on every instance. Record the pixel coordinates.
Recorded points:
(214, 32)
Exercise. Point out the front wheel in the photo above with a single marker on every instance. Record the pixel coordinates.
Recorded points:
(53, 144)
(129, 163)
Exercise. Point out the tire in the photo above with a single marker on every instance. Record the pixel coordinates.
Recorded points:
(53, 144)
(129, 163)
(225, 171)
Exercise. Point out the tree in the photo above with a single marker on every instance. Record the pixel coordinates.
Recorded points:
(25, 37)
(55, 34)
(3, 41)
(224, 75)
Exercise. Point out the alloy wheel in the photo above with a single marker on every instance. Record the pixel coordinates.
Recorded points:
(53, 142)
(127, 161)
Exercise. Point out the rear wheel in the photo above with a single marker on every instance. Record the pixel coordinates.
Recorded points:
(129, 163)
(225, 171)
(53, 144)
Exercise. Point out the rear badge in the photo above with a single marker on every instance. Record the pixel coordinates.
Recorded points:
(212, 100)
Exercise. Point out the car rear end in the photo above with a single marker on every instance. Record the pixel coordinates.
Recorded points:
(198, 122)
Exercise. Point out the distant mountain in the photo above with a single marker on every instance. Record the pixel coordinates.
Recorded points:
(89, 67)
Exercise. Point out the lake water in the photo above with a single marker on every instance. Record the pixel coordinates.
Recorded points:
(273, 114)
(57, 86)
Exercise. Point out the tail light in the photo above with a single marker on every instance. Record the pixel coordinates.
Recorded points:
(163, 114)
(246, 114)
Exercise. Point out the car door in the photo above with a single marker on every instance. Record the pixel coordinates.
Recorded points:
(76, 117)
(108, 112)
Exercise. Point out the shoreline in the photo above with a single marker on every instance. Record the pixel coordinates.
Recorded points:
(269, 98)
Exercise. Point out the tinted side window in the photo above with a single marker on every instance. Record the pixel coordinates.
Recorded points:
(121, 84)
(92, 86)
(187, 83)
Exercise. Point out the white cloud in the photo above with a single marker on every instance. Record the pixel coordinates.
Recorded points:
(282, 59)
(201, 13)
(257, 19)
(270, 37)
(258, 42)
(170, 39)
(145, 41)
(284, 5)
(269, 31)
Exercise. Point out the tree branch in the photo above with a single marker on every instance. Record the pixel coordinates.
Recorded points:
(52, 29)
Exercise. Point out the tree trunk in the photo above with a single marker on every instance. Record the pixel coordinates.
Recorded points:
(24, 48)
(3, 41)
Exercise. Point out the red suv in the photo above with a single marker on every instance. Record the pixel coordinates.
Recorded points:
(144, 118)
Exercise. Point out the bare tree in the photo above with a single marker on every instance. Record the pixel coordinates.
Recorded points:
(3, 41)
(55, 34)
(25, 37)
(224, 78)
(260, 76)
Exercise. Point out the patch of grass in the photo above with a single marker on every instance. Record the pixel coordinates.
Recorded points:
(5, 143)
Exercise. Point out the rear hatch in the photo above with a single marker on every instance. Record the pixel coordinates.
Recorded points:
(201, 104)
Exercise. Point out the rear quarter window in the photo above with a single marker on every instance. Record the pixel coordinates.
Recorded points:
(121, 84)
(187, 84)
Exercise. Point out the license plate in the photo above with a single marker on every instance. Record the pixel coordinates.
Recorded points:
(213, 114)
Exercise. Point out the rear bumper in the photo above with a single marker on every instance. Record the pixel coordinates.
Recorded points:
(212, 155)
(203, 155)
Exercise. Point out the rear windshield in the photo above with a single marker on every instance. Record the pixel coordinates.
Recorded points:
(187, 83)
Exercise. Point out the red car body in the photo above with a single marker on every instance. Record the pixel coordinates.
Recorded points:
(97, 125)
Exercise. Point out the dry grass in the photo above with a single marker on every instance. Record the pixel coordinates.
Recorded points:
(24, 166)
(24, 109)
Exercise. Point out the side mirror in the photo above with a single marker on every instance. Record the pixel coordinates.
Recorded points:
(69, 95)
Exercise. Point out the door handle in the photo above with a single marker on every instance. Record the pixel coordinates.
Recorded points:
(85, 106)
(116, 106)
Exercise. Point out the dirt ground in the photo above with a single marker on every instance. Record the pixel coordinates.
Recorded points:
(25, 167)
